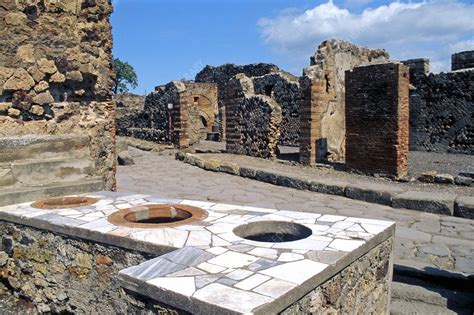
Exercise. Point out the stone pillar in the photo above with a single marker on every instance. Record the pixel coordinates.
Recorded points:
(377, 119)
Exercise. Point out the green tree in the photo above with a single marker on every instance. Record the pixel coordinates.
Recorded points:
(125, 76)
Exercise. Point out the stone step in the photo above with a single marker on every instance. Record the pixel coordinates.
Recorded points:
(15, 195)
(41, 172)
(43, 146)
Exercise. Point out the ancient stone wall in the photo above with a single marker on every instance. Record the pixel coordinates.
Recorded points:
(442, 110)
(462, 60)
(361, 288)
(377, 119)
(55, 73)
(221, 76)
(45, 272)
(322, 129)
(192, 116)
(285, 90)
(253, 121)
(128, 102)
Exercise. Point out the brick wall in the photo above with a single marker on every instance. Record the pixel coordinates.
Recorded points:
(377, 119)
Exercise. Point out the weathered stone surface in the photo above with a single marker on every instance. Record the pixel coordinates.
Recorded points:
(20, 80)
(43, 98)
(462, 181)
(368, 277)
(292, 182)
(444, 179)
(41, 86)
(211, 165)
(248, 172)
(464, 207)
(13, 112)
(44, 40)
(230, 168)
(37, 110)
(26, 53)
(46, 66)
(425, 201)
(428, 177)
(74, 76)
(57, 78)
(374, 193)
(328, 187)
(68, 275)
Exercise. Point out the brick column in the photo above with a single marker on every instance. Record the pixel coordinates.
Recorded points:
(180, 123)
(377, 119)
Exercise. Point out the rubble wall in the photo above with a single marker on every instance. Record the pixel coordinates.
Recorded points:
(253, 121)
(323, 99)
(442, 112)
(285, 90)
(56, 75)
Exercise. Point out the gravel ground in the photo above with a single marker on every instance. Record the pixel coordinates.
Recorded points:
(420, 162)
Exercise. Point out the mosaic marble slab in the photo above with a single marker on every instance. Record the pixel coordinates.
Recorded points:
(207, 266)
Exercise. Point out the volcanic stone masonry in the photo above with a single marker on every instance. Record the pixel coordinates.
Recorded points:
(192, 116)
(377, 119)
(442, 106)
(55, 74)
(253, 121)
(322, 132)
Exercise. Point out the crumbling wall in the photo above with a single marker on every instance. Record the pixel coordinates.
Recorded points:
(253, 121)
(322, 133)
(221, 76)
(128, 102)
(377, 119)
(442, 112)
(55, 73)
(285, 90)
(192, 116)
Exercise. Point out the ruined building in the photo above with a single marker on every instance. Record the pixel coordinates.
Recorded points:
(442, 106)
(323, 99)
(178, 112)
(56, 110)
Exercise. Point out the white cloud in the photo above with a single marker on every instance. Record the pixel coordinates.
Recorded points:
(405, 30)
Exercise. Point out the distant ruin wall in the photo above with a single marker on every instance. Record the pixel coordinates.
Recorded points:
(442, 112)
(253, 121)
(285, 90)
(127, 102)
(55, 74)
(192, 116)
(322, 129)
(377, 119)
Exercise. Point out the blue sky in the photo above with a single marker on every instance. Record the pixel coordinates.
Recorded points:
(168, 40)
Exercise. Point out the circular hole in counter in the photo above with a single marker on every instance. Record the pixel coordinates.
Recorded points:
(272, 231)
(156, 216)
(63, 202)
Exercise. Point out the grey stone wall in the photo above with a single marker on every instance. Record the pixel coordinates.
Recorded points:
(442, 112)
(285, 90)
(42, 272)
(361, 288)
(462, 60)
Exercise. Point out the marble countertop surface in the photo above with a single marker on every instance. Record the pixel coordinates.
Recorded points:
(203, 266)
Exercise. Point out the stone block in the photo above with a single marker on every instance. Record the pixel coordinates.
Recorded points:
(463, 181)
(230, 168)
(248, 172)
(292, 182)
(434, 202)
(211, 165)
(464, 207)
(373, 193)
(267, 177)
(328, 186)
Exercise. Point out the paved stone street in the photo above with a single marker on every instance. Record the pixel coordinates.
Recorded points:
(423, 240)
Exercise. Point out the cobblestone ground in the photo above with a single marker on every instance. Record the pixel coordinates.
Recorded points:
(422, 239)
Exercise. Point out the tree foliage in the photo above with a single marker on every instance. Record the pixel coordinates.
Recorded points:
(125, 76)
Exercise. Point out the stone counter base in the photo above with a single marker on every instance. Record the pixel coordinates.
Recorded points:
(361, 288)
(49, 272)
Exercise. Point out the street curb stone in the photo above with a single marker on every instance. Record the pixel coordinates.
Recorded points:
(439, 203)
